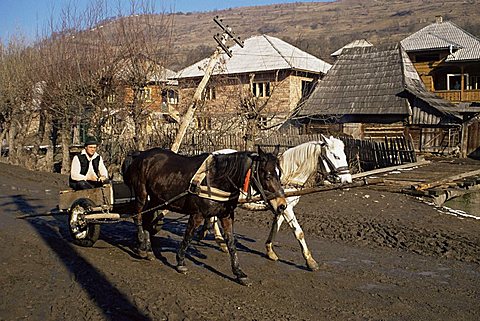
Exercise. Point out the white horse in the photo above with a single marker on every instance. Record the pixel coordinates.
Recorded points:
(299, 164)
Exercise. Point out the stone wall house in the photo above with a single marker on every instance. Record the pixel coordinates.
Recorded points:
(262, 82)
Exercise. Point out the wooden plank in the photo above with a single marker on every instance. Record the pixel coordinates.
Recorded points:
(447, 180)
(388, 169)
(359, 183)
(406, 179)
(99, 196)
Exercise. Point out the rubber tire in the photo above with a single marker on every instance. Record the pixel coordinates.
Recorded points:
(92, 230)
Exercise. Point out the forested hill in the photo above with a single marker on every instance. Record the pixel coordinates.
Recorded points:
(319, 28)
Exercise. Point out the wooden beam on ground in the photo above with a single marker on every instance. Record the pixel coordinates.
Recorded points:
(447, 180)
(364, 182)
(391, 168)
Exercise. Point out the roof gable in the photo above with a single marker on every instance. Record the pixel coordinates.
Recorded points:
(371, 81)
(364, 80)
(260, 53)
(444, 35)
(353, 44)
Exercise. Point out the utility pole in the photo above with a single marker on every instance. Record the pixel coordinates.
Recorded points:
(197, 97)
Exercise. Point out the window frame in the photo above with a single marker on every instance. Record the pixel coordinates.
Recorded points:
(261, 89)
(465, 81)
(145, 94)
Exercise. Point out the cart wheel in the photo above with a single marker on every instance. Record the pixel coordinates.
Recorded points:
(82, 232)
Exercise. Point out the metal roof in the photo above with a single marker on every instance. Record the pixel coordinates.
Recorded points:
(260, 53)
(353, 44)
(147, 67)
(444, 35)
(373, 81)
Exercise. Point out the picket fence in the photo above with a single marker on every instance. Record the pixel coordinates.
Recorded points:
(363, 155)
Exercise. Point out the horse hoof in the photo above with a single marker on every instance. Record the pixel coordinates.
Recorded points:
(313, 265)
(150, 256)
(224, 248)
(142, 254)
(272, 256)
(182, 269)
(270, 252)
(244, 281)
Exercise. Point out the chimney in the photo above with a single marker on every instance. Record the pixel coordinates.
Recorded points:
(438, 19)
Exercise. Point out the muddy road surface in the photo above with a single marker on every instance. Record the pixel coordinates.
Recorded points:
(383, 256)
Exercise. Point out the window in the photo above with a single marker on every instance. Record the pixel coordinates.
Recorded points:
(169, 96)
(307, 87)
(474, 83)
(261, 89)
(172, 97)
(454, 81)
(111, 98)
(204, 123)
(262, 121)
(145, 94)
(209, 93)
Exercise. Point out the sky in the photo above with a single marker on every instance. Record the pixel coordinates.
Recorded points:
(32, 17)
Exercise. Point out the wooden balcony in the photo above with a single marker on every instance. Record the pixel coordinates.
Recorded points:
(459, 95)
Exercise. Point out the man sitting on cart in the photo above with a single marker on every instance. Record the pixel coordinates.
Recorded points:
(88, 169)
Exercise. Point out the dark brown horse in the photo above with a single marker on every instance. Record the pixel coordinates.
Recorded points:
(201, 186)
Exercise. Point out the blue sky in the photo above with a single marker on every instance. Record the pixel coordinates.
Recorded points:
(27, 17)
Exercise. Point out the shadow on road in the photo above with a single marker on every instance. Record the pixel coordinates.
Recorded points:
(114, 304)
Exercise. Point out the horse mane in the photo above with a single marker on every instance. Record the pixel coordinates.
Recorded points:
(233, 166)
(300, 162)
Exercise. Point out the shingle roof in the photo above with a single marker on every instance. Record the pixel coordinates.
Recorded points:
(444, 35)
(260, 53)
(371, 81)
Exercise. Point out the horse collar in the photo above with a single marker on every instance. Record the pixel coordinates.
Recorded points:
(206, 191)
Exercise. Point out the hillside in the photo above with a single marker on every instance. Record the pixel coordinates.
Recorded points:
(319, 28)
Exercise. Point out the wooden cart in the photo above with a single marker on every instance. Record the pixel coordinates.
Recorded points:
(89, 208)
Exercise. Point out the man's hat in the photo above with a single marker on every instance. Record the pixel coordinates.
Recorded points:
(91, 140)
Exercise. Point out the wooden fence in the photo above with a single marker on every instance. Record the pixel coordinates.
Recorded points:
(369, 154)
(362, 155)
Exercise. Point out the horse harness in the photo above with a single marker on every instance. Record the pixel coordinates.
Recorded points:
(206, 191)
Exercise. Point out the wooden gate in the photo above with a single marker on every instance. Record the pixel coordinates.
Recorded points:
(473, 139)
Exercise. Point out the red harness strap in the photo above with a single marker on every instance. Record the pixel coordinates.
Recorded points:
(246, 183)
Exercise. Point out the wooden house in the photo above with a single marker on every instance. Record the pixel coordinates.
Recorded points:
(448, 60)
(142, 81)
(263, 81)
(373, 92)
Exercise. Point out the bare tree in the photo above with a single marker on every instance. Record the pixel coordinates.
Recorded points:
(18, 91)
(142, 42)
(84, 76)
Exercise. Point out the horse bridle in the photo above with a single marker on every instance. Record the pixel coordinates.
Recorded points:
(333, 169)
(254, 176)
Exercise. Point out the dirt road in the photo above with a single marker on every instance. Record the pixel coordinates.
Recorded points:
(384, 256)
